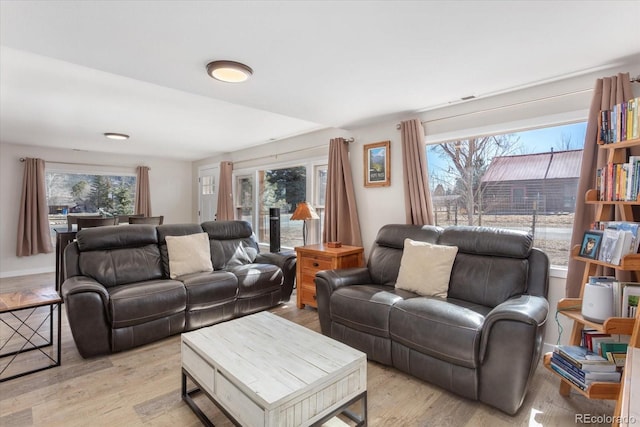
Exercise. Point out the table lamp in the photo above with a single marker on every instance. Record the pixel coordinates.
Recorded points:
(304, 211)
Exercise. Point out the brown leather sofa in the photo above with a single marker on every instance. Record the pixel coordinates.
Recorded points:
(118, 292)
(483, 341)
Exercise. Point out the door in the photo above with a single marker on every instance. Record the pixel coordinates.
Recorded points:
(208, 193)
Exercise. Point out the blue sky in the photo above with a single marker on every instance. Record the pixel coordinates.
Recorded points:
(532, 141)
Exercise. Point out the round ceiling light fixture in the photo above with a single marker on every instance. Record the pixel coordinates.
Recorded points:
(118, 136)
(229, 71)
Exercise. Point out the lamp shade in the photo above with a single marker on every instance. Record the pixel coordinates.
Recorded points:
(304, 211)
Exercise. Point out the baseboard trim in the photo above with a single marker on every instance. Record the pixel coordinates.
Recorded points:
(29, 272)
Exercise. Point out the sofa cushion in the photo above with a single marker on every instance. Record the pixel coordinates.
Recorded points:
(366, 308)
(188, 254)
(142, 302)
(104, 238)
(487, 280)
(257, 279)
(425, 268)
(230, 253)
(491, 241)
(384, 259)
(205, 290)
(232, 243)
(491, 266)
(438, 328)
(165, 230)
(114, 267)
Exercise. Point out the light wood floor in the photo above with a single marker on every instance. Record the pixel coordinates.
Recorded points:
(142, 387)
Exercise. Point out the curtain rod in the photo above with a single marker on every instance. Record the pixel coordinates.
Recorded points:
(635, 79)
(22, 159)
(315, 147)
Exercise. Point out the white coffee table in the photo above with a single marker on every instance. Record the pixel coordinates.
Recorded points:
(262, 370)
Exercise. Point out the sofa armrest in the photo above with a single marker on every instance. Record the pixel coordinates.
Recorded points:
(526, 309)
(334, 279)
(510, 350)
(78, 284)
(287, 263)
(281, 259)
(328, 281)
(86, 303)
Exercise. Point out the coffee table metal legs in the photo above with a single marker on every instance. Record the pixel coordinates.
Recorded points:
(360, 419)
(186, 396)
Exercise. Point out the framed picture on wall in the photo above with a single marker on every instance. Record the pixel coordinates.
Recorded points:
(377, 167)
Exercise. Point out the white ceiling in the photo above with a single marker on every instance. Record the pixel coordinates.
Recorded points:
(72, 70)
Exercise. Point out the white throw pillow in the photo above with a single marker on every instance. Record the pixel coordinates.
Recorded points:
(426, 268)
(188, 254)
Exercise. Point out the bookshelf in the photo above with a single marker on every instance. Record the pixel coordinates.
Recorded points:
(571, 307)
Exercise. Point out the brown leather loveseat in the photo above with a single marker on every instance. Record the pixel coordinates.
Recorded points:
(482, 341)
(119, 293)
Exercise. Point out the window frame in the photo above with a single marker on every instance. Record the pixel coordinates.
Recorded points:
(311, 164)
(532, 122)
(84, 169)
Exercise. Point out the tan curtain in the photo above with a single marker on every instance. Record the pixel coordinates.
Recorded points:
(417, 196)
(33, 223)
(341, 214)
(607, 92)
(225, 192)
(143, 193)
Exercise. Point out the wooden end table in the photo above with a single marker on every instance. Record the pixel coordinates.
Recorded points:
(314, 258)
(27, 329)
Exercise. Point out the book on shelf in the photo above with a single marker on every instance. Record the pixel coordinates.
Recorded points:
(584, 376)
(620, 123)
(608, 246)
(584, 359)
(618, 181)
(564, 374)
(588, 337)
(635, 119)
(597, 344)
(619, 238)
(612, 347)
(618, 359)
(630, 297)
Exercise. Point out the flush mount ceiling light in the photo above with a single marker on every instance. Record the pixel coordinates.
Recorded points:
(229, 71)
(118, 136)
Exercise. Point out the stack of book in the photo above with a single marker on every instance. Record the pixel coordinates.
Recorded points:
(582, 367)
(620, 123)
(619, 238)
(619, 181)
(605, 345)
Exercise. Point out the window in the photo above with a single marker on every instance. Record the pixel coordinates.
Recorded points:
(208, 185)
(319, 193)
(283, 188)
(80, 193)
(526, 180)
(245, 198)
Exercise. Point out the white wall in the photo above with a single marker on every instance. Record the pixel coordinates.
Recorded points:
(170, 183)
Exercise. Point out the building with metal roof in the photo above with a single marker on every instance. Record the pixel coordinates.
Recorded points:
(543, 182)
